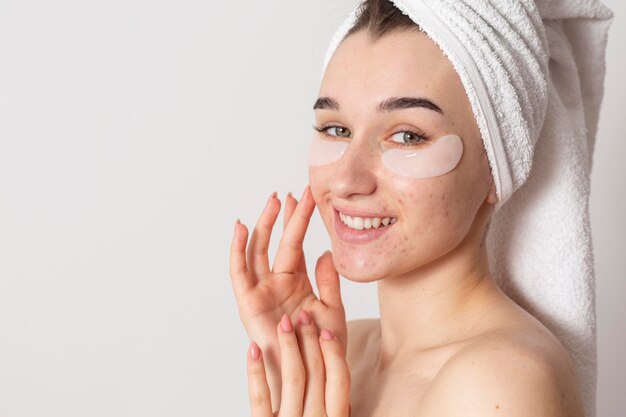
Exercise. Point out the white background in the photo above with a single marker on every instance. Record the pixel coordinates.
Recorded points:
(132, 135)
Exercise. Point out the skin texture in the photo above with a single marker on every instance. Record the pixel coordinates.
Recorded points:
(264, 295)
(449, 342)
(316, 378)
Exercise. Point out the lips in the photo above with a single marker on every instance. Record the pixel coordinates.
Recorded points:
(352, 235)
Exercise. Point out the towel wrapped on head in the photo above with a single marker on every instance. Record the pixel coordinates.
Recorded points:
(534, 73)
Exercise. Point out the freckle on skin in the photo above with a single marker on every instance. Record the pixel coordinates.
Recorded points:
(497, 406)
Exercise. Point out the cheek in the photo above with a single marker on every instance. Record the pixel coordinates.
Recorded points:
(318, 180)
(318, 177)
(434, 212)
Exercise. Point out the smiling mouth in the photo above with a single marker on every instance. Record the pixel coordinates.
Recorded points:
(362, 223)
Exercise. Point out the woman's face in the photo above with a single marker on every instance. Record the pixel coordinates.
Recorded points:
(434, 214)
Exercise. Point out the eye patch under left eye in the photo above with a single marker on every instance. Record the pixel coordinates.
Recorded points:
(438, 157)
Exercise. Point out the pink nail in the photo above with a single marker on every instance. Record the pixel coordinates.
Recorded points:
(303, 317)
(285, 324)
(254, 350)
(327, 335)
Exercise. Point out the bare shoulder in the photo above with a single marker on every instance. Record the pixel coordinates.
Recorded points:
(359, 333)
(517, 371)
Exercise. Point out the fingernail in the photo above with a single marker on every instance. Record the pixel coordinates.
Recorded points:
(304, 192)
(273, 195)
(236, 223)
(254, 350)
(285, 324)
(303, 317)
(289, 194)
(327, 335)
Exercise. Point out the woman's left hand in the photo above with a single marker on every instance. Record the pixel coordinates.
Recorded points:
(315, 374)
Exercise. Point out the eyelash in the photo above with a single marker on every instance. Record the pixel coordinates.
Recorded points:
(422, 137)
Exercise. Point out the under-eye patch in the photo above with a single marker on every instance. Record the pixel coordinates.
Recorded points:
(429, 159)
(322, 152)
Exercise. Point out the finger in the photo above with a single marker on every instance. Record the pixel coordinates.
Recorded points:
(239, 274)
(258, 389)
(306, 332)
(290, 206)
(337, 393)
(258, 259)
(292, 370)
(327, 280)
(290, 246)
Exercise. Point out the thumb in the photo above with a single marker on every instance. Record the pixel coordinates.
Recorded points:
(327, 280)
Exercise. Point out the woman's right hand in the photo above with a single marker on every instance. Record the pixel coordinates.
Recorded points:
(263, 295)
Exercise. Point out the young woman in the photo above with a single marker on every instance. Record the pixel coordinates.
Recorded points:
(449, 341)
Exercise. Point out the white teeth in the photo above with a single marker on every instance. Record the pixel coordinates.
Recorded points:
(361, 223)
(349, 221)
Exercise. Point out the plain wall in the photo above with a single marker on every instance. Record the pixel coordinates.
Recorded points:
(132, 135)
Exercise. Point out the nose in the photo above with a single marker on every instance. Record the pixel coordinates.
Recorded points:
(354, 171)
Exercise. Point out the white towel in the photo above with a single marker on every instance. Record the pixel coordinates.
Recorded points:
(534, 75)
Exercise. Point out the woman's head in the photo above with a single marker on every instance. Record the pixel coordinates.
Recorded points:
(385, 57)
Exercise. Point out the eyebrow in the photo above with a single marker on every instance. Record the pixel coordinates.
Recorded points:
(391, 104)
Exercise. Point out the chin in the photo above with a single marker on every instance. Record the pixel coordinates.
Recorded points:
(358, 267)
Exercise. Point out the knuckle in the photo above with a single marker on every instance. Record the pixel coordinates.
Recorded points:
(341, 382)
(296, 377)
(295, 381)
(308, 333)
(294, 243)
(258, 399)
(256, 373)
(289, 342)
(316, 366)
(260, 249)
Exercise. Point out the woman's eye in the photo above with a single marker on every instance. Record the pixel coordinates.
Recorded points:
(407, 137)
(335, 131)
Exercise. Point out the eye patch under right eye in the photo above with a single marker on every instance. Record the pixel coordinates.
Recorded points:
(322, 152)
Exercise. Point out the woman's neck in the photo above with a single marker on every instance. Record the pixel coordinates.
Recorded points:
(437, 304)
